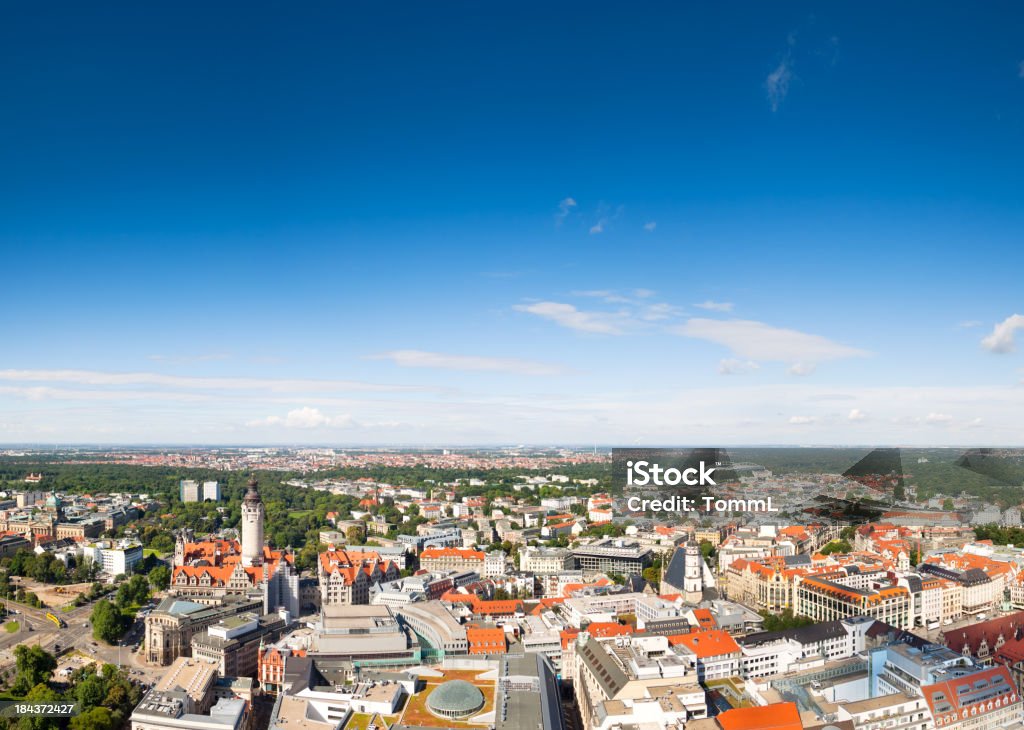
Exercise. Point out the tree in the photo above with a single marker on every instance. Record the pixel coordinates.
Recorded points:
(707, 550)
(653, 576)
(34, 665)
(41, 694)
(98, 718)
(91, 691)
(133, 592)
(784, 620)
(947, 504)
(160, 578)
(106, 622)
(836, 546)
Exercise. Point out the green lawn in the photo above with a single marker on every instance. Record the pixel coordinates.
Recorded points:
(67, 608)
(299, 513)
(11, 626)
(150, 551)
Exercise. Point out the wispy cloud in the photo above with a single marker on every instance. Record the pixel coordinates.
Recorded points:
(305, 418)
(636, 311)
(800, 369)
(802, 420)
(857, 415)
(776, 84)
(565, 206)
(1001, 340)
(969, 324)
(566, 315)
(443, 361)
(757, 341)
(715, 306)
(938, 418)
(45, 392)
(650, 226)
(114, 379)
(605, 215)
(732, 366)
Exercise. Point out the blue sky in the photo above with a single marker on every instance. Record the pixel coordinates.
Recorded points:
(467, 223)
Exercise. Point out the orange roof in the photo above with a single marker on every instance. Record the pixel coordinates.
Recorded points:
(781, 716)
(605, 629)
(486, 641)
(707, 644)
(499, 607)
(704, 618)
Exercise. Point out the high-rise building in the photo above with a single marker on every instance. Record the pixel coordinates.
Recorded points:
(253, 515)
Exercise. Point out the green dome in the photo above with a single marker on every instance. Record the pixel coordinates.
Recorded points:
(457, 698)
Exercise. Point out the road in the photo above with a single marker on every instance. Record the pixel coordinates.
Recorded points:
(76, 635)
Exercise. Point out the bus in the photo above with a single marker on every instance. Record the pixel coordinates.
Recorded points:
(59, 623)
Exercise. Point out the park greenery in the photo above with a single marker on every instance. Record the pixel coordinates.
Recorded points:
(105, 695)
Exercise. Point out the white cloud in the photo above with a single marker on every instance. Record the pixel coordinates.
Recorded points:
(45, 392)
(99, 378)
(650, 226)
(567, 315)
(659, 312)
(565, 207)
(802, 420)
(607, 294)
(732, 366)
(970, 324)
(758, 341)
(598, 227)
(776, 84)
(857, 415)
(801, 369)
(715, 306)
(305, 418)
(421, 359)
(1001, 340)
(644, 293)
(938, 418)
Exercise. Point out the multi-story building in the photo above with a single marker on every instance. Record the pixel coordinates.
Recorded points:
(114, 557)
(545, 561)
(214, 568)
(439, 560)
(987, 699)
(612, 555)
(768, 653)
(172, 624)
(623, 680)
(436, 627)
(186, 697)
(830, 598)
(233, 643)
(346, 576)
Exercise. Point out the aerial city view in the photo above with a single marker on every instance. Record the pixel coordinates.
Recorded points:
(536, 366)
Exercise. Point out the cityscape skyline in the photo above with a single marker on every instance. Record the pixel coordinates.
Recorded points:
(795, 226)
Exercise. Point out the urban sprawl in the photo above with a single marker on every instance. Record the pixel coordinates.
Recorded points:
(524, 596)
